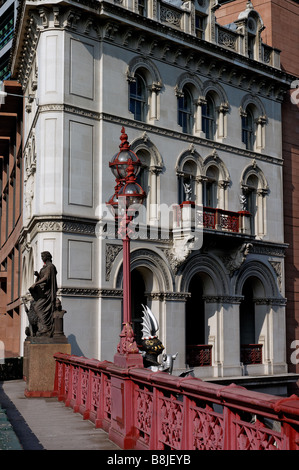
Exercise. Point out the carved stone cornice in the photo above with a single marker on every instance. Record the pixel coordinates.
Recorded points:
(106, 21)
(212, 145)
(268, 248)
(58, 224)
(271, 301)
(223, 299)
(85, 292)
(175, 296)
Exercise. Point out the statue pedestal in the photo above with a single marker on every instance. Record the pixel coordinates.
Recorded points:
(39, 366)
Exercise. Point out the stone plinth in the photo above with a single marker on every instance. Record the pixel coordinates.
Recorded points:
(39, 367)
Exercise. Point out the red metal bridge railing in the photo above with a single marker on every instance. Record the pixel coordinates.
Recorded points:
(146, 410)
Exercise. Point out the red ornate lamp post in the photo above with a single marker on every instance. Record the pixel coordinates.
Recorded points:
(123, 204)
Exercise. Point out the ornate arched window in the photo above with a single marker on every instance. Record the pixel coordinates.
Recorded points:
(255, 188)
(188, 90)
(144, 88)
(248, 129)
(185, 111)
(215, 181)
(187, 182)
(209, 117)
(188, 170)
(253, 120)
(138, 97)
(214, 107)
(149, 176)
(211, 192)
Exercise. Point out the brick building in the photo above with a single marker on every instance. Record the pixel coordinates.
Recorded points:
(11, 181)
(281, 19)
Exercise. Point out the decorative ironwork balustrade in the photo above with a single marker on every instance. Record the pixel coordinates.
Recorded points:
(199, 355)
(251, 353)
(220, 219)
(212, 218)
(146, 410)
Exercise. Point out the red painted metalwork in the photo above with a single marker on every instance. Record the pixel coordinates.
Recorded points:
(199, 355)
(251, 353)
(125, 166)
(215, 218)
(146, 410)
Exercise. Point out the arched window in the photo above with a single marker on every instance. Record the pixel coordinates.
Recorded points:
(138, 97)
(149, 177)
(143, 175)
(143, 179)
(253, 120)
(211, 187)
(248, 129)
(185, 111)
(187, 186)
(251, 197)
(255, 188)
(209, 117)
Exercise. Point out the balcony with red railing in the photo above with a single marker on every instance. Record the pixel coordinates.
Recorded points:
(220, 219)
(251, 353)
(211, 218)
(199, 355)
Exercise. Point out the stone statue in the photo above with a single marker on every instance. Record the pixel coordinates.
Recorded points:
(243, 202)
(44, 292)
(188, 191)
(32, 329)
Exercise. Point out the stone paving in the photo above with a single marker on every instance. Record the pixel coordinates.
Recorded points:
(44, 424)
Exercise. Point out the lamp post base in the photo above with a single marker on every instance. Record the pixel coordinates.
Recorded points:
(127, 351)
(128, 360)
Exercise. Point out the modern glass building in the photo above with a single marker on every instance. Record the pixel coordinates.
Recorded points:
(8, 13)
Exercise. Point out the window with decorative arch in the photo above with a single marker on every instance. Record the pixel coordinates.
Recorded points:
(144, 83)
(255, 189)
(253, 120)
(185, 111)
(149, 176)
(188, 170)
(188, 90)
(215, 181)
(138, 97)
(214, 108)
(209, 122)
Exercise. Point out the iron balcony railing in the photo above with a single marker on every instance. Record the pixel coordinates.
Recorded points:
(251, 353)
(199, 355)
(212, 218)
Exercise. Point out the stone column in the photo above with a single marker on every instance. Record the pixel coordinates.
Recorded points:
(110, 320)
(229, 334)
(270, 325)
(175, 325)
(222, 110)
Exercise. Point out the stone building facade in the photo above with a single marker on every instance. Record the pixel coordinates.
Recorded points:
(281, 31)
(201, 105)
